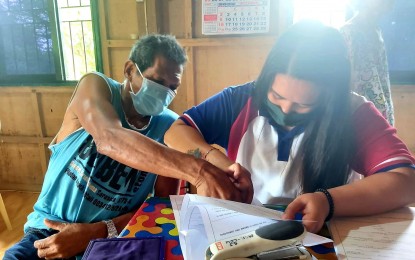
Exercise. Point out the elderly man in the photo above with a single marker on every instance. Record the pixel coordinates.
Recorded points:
(103, 157)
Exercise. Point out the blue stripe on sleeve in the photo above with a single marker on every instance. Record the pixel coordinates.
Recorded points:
(399, 165)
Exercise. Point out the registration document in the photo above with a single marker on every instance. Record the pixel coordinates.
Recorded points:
(202, 221)
(385, 236)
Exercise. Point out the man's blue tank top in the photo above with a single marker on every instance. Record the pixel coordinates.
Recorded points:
(84, 186)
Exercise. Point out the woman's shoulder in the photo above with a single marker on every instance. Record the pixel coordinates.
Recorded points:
(242, 89)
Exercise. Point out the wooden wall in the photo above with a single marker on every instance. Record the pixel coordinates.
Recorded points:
(31, 116)
(29, 119)
(214, 62)
(403, 100)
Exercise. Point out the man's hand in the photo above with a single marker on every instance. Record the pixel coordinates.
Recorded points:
(71, 239)
(313, 206)
(241, 178)
(235, 184)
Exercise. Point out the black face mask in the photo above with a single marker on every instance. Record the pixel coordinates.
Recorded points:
(283, 119)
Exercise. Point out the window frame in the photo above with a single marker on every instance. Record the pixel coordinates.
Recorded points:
(58, 78)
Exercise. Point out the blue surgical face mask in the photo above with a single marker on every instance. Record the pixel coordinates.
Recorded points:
(152, 98)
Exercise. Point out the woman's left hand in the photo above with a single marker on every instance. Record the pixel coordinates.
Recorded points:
(313, 206)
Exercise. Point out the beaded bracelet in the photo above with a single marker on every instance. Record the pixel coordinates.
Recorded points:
(330, 201)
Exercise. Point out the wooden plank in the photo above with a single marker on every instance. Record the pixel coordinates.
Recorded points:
(152, 20)
(118, 57)
(206, 42)
(403, 97)
(186, 92)
(21, 187)
(20, 165)
(25, 139)
(40, 129)
(141, 22)
(240, 41)
(120, 43)
(218, 68)
(44, 155)
(188, 19)
(39, 89)
(190, 79)
(17, 115)
(103, 30)
(52, 108)
(35, 105)
(4, 214)
(172, 17)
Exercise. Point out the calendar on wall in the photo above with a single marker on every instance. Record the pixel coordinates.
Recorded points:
(235, 16)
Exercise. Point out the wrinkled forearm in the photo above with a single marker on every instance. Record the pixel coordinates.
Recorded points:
(142, 153)
(165, 186)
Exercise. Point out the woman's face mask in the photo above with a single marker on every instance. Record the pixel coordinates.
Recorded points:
(283, 119)
(152, 98)
(299, 98)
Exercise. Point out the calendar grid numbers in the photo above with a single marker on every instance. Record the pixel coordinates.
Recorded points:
(235, 17)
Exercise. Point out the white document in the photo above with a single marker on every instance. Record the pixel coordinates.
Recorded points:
(385, 236)
(202, 221)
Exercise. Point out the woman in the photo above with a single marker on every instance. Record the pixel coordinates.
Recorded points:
(303, 135)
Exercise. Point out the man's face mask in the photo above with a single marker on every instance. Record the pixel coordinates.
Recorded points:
(283, 119)
(152, 98)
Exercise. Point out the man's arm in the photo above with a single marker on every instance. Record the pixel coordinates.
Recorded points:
(91, 105)
(377, 193)
(166, 186)
(188, 140)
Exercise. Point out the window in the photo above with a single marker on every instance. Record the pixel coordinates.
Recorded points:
(329, 12)
(398, 29)
(46, 41)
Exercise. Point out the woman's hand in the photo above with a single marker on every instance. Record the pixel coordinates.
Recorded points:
(313, 206)
(233, 184)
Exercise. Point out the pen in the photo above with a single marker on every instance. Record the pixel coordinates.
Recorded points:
(276, 207)
(294, 257)
(282, 208)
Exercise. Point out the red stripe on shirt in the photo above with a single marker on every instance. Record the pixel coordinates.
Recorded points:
(377, 142)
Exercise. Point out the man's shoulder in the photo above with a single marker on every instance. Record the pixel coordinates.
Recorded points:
(165, 119)
(169, 114)
(91, 85)
(94, 75)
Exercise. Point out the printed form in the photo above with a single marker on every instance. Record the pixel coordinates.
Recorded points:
(206, 220)
(385, 236)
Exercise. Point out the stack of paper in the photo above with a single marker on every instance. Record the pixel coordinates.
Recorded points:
(202, 221)
(389, 235)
